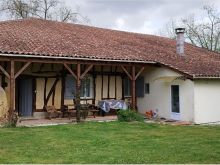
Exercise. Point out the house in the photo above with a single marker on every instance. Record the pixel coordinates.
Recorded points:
(51, 63)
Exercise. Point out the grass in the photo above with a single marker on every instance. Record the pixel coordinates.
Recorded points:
(113, 142)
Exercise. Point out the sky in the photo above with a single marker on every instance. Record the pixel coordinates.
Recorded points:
(142, 16)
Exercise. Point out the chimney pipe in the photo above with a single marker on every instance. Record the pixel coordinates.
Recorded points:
(180, 41)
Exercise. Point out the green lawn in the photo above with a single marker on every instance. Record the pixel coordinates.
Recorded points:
(111, 143)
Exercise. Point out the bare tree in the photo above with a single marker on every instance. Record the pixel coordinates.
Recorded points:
(45, 9)
(201, 31)
(168, 30)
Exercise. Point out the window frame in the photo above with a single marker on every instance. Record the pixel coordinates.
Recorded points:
(91, 88)
(128, 87)
(175, 99)
(146, 88)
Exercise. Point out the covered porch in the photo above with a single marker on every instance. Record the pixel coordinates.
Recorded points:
(32, 84)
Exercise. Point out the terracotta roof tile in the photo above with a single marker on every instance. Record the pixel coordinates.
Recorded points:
(49, 38)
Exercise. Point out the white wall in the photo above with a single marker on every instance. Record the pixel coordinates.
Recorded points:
(187, 100)
(160, 80)
(207, 101)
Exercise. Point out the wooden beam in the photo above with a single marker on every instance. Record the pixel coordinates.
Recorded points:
(51, 91)
(70, 70)
(22, 69)
(86, 71)
(4, 59)
(138, 74)
(78, 87)
(133, 92)
(102, 83)
(122, 86)
(12, 92)
(115, 83)
(94, 86)
(5, 72)
(45, 90)
(39, 76)
(34, 94)
(52, 66)
(41, 66)
(62, 90)
(108, 98)
(4, 77)
(73, 61)
(125, 70)
(108, 93)
(53, 96)
(32, 67)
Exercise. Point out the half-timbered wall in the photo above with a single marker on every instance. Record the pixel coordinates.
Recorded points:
(105, 86)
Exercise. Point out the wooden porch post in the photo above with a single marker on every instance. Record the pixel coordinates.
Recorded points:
(12, 91)
(12, 76)
(78, 85)
(94, 86)
(133, 77)
(62, 90)
(78, 78)
(133, 92)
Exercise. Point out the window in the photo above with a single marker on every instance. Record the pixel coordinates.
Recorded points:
(86, 87)
(70, 87)
(127, 87)
(175, 98)
(139, 88)
(147, 88)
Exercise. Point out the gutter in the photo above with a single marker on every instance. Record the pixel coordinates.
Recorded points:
(75, 58)
(206, 77)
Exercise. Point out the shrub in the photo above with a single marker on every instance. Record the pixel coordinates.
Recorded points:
(9, 125)
(129, 115)
(12, 123)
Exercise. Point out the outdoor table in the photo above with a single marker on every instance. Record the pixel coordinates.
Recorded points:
(107, 105)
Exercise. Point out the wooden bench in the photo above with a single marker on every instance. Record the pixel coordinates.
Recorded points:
(93, 109)
(84, 108)
(52, 110)
(87, 108)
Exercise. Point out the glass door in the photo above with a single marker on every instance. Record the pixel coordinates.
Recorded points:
(175, 101)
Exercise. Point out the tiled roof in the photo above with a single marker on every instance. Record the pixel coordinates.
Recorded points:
(54, 39)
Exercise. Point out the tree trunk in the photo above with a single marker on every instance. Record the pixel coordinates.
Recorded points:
(133, 93)
(78, 85)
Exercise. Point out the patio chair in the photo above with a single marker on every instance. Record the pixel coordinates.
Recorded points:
(51, 110)
(93, 109)
(88, 108)
(66, 110)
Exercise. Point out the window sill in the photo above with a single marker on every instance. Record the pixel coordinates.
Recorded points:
(86, 98)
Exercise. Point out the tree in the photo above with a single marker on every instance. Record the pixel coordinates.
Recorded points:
(169, 29)
(203, 32)
(44, 9)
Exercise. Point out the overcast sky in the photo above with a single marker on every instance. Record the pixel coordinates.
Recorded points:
(144, 16)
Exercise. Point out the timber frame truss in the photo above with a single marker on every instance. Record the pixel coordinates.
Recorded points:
(130, 69)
